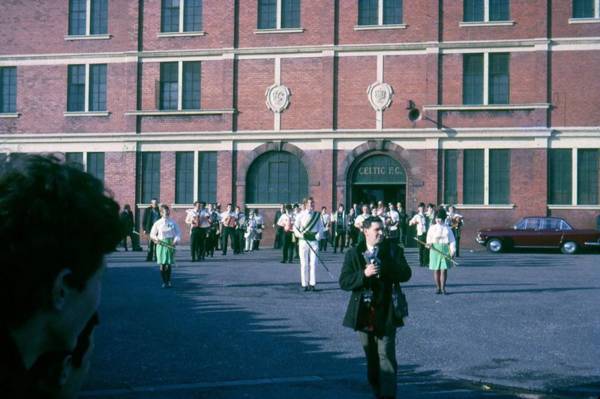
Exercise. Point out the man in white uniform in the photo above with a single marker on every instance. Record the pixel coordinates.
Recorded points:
(308, 228)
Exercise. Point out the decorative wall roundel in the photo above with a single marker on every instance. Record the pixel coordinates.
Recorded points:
(380, 95)
(278, 97)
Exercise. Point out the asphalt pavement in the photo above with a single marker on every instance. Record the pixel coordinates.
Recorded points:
(513, 325)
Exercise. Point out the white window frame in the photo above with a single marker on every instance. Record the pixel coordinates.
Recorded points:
(86, 103)
(278, 28)
(88, 26)
(180, 31)
(380, 24)
(486, 18)
(486, 77)
(180, 85)
(594, 19)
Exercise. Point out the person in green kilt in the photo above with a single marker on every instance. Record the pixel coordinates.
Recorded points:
(440, 238)
(166, 234)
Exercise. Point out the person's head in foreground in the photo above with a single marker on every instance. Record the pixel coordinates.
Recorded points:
(56, 225)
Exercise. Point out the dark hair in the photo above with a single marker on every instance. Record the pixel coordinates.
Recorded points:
(127, 207)
(288, 207)
(441, 214)
(52, 216)
(421, 205)
(370, 220)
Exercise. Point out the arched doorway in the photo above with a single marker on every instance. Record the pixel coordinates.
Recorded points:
(378, 177)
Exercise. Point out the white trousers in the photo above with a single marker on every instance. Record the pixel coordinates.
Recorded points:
(308, 262)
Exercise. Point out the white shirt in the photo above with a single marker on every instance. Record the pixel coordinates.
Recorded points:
(441, 234)
(230, 215)
(286, 221)
(165, 228)
(395, 217)
(302, 220)
(326, 218)
(358, 222)
(419, 220)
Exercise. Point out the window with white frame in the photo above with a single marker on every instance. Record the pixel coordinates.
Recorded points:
(586, 9)
(181, 16)
(486, 176)
(379, 12)
(486, 10)
(573, 176)
(90, 162)
(8, 90)
(278, 14)
(88, 17)
(486, 78)
(179, 86)
(86, 90)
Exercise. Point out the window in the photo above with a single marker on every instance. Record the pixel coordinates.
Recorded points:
(560, 176)
(486, 10)
(276, 177)
(88, 17)
(379, 12)
(278, 14)
(150, 176)
(95, 164)
(181, 16)
(473, 177)
(587, 176)
(75, 159)
(179, 86)
(450, 173)
(486, 78)
(499, 176)
(184, 177)
(586, 8)
(8, 90)
(86, 80)
(207, 176)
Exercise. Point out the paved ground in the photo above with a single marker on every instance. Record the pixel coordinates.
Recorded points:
(514, 325)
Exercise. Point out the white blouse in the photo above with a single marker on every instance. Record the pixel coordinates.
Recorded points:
(441, 234)
(165, 228)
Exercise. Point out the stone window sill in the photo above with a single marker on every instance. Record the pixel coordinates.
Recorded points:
(380, 27)
(281, 30)
(574, 207)
(9, 114)
(89, 113)
(181, 34)
(486, 23)
(482, 206)
(182, 112)
(486, 107)
(263, 206)
(584, 20)
(87, 37)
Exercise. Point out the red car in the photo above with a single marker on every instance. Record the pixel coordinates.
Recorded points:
(539, 232)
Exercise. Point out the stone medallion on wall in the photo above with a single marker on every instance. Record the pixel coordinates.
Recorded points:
(380, 95)
(278, 98)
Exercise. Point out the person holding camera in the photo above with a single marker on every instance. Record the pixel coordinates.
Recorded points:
(371, 271)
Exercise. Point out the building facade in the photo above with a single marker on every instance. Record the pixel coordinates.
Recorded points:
(488, 104)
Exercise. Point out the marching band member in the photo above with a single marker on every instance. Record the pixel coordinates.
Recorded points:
(420, 221)
(192, 219)
(250, 232)
(440, 238)
(340, 221)
(393, 219)
(326, 220)
(456, 222)
(165, 234)
(214, 223)
(352, 230)
(309, 229)
(240, 231)
(286, 222)
(260, 224)
(358, 223)
(229, 223)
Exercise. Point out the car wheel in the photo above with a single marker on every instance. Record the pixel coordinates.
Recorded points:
(569, 247)
(494, 245)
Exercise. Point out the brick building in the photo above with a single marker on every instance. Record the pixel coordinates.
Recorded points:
(265, 101)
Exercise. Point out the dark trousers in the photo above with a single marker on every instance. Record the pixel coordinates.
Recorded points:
(323, 242)
(456, 233)
(240, 241)
(198, 244)
(279, 237)
(381, 363)
(288, 247)
(151, 256)
(352, 236)
(423, 251)
(132, 238)
(211, 243)
(340, 241)
(229, 235)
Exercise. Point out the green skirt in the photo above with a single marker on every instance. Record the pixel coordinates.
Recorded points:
(436, 260)
(164, 254)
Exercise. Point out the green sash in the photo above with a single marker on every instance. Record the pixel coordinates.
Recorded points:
(306, 230)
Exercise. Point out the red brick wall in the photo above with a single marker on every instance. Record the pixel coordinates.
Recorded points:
(120, 176)
(575, 89)
(561, 12)
(254, 78)
(529, 16)
(38, 27)
(354, 109)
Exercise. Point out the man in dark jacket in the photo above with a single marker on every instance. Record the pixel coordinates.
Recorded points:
(370, 270)
(151, 215)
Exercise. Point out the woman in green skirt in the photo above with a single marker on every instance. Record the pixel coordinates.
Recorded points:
(440, 238)
(166, 234)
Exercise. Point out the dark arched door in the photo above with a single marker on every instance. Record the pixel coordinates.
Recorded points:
(276, 177)
(378, 177)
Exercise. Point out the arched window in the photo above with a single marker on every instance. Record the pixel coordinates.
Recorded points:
(276, 177)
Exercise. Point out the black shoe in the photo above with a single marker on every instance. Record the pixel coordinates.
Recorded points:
(305, 288)
(311, 288)
(438, 291)
(444, 292)
(283, 261)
